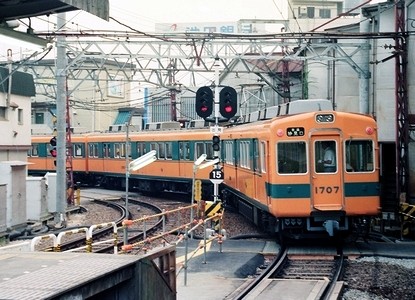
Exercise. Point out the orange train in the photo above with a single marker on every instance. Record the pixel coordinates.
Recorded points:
(294, 173)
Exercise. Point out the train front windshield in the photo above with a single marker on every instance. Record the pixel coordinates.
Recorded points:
(358, 156)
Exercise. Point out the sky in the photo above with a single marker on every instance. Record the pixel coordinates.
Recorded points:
(143, 15)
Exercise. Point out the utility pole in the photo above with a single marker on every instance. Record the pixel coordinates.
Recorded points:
(61, 95)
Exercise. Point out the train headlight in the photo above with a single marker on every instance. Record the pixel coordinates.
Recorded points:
(280, 132)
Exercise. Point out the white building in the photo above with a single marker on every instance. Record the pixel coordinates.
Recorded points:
(16, 91)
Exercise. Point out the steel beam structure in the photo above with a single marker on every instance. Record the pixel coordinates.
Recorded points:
(402, 103)
(149, 58)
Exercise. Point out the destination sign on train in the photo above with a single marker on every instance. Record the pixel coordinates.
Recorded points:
(295, 131)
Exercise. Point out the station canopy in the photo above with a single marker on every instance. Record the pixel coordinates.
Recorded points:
(18, 9)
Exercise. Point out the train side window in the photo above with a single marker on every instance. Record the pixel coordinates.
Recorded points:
(184, 148)
(117, 150)
(122, 150)
(244, 158)
(141, 149)
(209, 150)
(262, 156)
(229, 158)
(292, 158)
(199, 149)
(359, 156)
(169, 150)
(155, 146)
(107, 150)
(92, 150)
(257, 158)
(162, 150)
(34, 150)
(78, 150)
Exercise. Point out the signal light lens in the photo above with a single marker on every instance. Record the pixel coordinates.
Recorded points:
(204, 102)
(228, 102)
(53, 141)
(53, 152)
(216, 143)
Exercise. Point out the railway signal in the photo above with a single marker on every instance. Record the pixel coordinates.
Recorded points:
(52, 143)
(228, 102)
(204, 102)
(216, 143)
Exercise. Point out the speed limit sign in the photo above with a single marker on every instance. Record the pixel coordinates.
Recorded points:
(216, 176)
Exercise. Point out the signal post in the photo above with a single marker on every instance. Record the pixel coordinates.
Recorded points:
(224, 107)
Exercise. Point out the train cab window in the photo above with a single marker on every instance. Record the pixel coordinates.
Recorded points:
(162, 151)
(78, 150)
(359, 156)
(184, 149)
(34, 150)
(325, 156)
(292, 157)
(93, 150)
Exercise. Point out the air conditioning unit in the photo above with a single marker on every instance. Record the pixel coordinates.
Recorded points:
(302, 11)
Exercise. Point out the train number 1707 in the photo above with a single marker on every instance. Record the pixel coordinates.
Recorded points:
(326, 189)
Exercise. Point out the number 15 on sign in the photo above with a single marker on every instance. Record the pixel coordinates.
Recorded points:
(216, 176)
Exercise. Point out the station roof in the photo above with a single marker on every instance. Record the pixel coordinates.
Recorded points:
(18, 9)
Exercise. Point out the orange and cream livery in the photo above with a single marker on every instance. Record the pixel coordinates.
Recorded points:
(296, 169)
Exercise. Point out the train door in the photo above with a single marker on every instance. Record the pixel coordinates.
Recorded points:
(326, 173)
(261, 168)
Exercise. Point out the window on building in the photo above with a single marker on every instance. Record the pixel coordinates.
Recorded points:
(20, 116)
(306, 12)
(325, 13)
(310, 12)
(39, 118)
(2, 113)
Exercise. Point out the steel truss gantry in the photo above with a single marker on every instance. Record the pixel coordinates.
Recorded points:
(192, 55)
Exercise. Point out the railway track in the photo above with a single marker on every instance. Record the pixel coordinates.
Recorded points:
(307, 276)
(102, 235)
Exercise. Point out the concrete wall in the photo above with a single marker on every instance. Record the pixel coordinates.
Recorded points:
(36, 206)
(13, 176)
